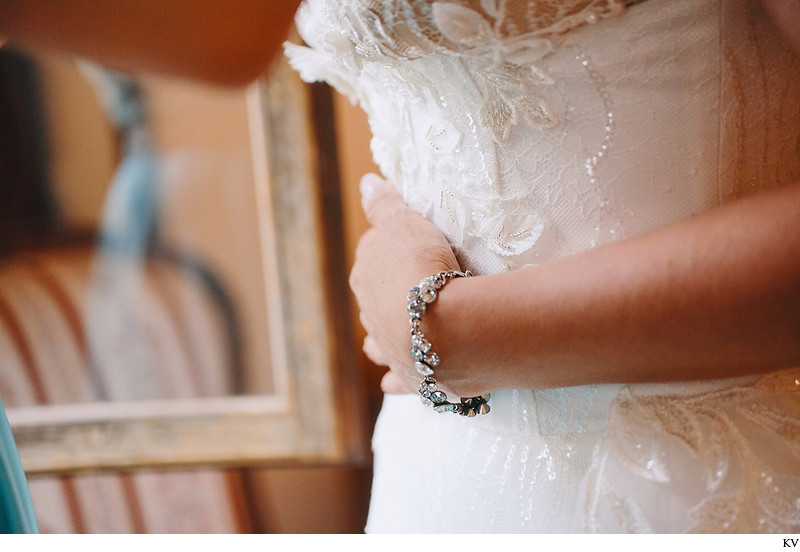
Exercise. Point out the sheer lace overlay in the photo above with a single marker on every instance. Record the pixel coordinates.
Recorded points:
(504, 30)
(528, 130)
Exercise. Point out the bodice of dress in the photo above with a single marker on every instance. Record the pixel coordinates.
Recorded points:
(529, 130)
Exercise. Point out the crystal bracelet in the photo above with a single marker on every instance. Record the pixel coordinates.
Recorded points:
(426, 360)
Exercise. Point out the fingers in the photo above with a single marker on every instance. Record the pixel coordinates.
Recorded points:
(363, 320)
(378, 199)
(391, 382)
(372, 351)
(395, 384)
(370, 346)
(388, 259)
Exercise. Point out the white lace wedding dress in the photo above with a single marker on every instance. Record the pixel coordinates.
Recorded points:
(529, 130)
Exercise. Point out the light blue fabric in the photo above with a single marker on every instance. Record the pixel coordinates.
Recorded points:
(16, 508)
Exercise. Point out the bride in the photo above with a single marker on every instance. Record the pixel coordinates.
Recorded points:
(637, 339)
(622, 179)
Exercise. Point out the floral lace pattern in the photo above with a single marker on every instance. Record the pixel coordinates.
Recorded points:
(706, 445)
(529, 130)
(401, 54)
(517, 31)
(509, 37)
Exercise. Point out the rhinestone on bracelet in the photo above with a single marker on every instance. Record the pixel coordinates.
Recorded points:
(426, 360)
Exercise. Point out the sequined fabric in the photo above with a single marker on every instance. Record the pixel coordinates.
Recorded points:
(532, 130)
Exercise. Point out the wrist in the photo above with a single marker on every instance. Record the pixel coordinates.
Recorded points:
(458, 328)
(492, 333)
(420, 298)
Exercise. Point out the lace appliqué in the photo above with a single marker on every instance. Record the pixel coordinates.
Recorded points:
(508, 99)
(516, 31)
(472, 69)
(510, 34)
(705, 442)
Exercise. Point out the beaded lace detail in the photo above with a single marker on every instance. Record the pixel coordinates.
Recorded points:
(474, 72)
(506, 30)
(712, 444)
(531, 130)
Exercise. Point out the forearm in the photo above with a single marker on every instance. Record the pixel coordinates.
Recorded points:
(786, 16)
(228, 43)
(714, 296)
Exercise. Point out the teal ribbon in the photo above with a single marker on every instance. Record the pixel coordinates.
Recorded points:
(16, 507)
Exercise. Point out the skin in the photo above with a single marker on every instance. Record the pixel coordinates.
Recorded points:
(699, 299)
(715, 296)
(227, 43)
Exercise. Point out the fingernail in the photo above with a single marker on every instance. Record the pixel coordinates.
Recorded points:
(369, 183)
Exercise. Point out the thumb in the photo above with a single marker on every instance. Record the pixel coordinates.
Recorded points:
(378, 198)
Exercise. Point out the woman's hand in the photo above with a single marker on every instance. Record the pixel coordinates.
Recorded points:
(713, 296)
(400, 249)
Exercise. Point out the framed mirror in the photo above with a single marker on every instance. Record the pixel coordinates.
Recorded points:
(219, 336)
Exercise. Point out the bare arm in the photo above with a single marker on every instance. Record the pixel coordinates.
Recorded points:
(785, 14)
(229, 43)
(715, 296)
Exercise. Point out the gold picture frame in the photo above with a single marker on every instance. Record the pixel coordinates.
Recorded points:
(315, 413)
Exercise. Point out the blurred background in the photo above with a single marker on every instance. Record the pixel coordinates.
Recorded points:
(132, 269)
